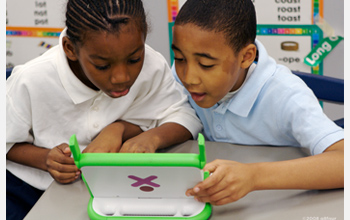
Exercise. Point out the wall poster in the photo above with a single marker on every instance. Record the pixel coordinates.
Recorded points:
(33, 25)
(287, 28)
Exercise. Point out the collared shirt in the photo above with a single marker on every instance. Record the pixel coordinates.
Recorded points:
(273, 107)
(229, 95)
(46, 104)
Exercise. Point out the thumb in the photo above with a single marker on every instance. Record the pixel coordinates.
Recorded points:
(211, 167)
(65, 149)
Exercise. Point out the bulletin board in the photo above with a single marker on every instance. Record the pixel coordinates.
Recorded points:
(289, 44)
(288, 29)
(32, 27)
(173, 8)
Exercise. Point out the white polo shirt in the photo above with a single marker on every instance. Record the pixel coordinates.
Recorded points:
(46, 103)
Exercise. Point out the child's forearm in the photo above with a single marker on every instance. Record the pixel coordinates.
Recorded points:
(111, 138)
(169, 134)
(129, 130)
(323, 171)
(29, 155)
(56, 161)
(120, 130)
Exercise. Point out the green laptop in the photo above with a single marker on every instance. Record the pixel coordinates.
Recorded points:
(142, 185)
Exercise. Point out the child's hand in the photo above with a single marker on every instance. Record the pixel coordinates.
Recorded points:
(104, 144)
(60, 165)
(139, 144)
(110, 139)
(165, 135)
(229, 181)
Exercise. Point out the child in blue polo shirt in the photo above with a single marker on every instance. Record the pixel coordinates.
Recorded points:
(242, 96)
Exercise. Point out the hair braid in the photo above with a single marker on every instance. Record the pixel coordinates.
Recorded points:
(102, 15)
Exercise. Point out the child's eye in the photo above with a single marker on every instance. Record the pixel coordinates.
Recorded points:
(102, 67)
(179, 59)
(132, 61)
(206, 66)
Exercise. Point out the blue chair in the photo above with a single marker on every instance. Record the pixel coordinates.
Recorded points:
(328, 89)
(8, 72)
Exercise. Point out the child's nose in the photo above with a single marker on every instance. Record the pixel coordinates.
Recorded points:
(190, 76)
(119, 74)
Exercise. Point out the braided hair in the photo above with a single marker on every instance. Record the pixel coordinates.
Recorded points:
(102, 15)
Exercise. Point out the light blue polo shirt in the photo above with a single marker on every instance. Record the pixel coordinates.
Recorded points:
(273, 107)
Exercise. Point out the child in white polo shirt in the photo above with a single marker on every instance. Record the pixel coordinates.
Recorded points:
(101, 72)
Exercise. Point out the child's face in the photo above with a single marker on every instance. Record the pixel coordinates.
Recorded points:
(110, 62)
(206, 65)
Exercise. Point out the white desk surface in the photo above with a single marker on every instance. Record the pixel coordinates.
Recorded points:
(69, 202)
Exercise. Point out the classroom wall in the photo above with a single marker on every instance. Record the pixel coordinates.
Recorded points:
(334, 62)
(50, 14)
(157, 15)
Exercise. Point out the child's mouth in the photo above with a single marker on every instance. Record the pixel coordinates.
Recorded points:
(119, 94)
(197, 97)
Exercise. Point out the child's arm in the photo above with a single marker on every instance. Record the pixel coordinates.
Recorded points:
(111, 138)
(56, 161)
(231, 180)
(166, 135)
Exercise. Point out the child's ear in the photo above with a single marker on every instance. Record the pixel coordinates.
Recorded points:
(248, 55)
(69, 49)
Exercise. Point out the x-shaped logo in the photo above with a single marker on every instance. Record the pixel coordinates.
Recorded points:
(147, 180)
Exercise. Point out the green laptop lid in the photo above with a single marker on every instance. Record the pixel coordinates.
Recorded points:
(142, 185)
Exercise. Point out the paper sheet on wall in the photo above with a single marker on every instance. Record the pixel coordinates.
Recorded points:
(32, 27)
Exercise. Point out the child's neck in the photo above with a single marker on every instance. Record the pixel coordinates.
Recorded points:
(79, 73)
(241, 78)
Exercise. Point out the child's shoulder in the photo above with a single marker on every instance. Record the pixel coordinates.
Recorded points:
(284, 77)
(154, 60)
(153, 54)
(39, 64)
(36, 70)
(286, 89)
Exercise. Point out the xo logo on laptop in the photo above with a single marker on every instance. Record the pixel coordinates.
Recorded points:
(145, 181)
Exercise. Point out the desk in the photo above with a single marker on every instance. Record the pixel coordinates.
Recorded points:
(69, 202)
